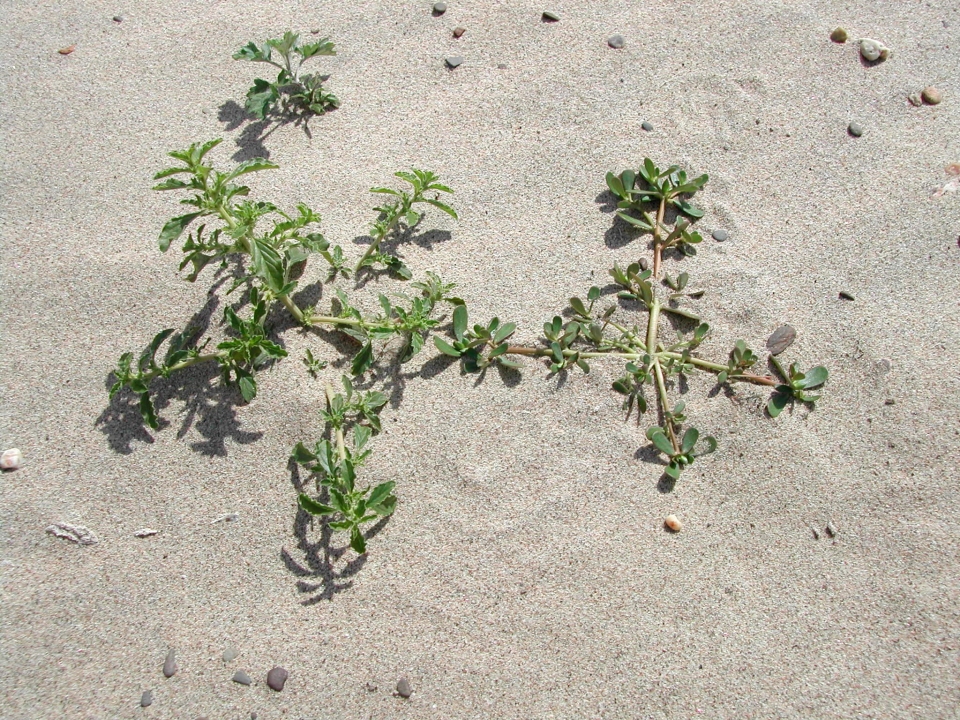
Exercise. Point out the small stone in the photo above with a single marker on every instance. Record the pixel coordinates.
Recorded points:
(884, 365)
(781, 339)
(720, 235)
(230, 654)
(646, 126)
(459, 31)
(118, 18)
(839, 35)
(889, 401)
(314, 31)
(549, 16)
(832, 530)
(439, 8)
(74, 533)
(844, 295)
(145, 532)
(170, 664)
(915, 99)
(241, 677)
(673, 522)
(404, 688)
(855, 129)
(453, 62)
(931, 96)
(816, 535)
(644, 263)
(370, 687)
(615, 41)
(67, 50)
(873, 50)
(146, 700)
(502, 66)
(10, 460)
(277, 677)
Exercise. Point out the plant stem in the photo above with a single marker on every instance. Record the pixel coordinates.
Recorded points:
(341, 450)
(656, 239)
(330, 320)
(185, 364)
(547, 352)
(653, 322)
(406, 203)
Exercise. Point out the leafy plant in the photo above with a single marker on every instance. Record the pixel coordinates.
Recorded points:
(292, 91)
(797, 384)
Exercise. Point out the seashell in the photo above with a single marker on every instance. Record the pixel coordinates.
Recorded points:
(10, 460)
(673, 522)
(873, 50)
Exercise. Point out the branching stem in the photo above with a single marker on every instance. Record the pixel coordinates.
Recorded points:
(341, 449)
(656, 238)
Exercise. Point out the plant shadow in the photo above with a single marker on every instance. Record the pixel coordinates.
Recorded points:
(255, 131)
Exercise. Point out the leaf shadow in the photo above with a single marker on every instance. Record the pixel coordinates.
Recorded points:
(256, 131)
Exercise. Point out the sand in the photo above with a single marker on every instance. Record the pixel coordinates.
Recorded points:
(526, 572)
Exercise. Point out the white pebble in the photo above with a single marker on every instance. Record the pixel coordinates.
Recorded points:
(873, 50)
(10, 460)
(673, 522)
(74, 533)
(146, 532)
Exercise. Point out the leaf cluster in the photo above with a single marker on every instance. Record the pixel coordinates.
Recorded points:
(478, 347)
(680, 454)
(796, 386)
(250, 349)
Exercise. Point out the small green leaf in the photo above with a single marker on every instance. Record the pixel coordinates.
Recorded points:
(662, 442)
(302, 455)
(443, 206)
(174, 229)
(814, 378)
(248, 387)
(578, 306)
(460, 321)
(445, 347)
(593, 294)
(380, 493)
(147, 411)
(254, 165)
(362, 360)
(505, 331)
(690, 438)
(777, 403)
(356, 540)
(313, 507)
(673, 470)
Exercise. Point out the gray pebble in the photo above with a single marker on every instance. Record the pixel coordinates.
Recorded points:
(931, 95)
(720, 235)
(885, 365)
(241, 677)
(646, 126)
(146, 700)
(615, 41)
(915, 99)
(781, 339)
(832, 530)
(453, 62)
(644, 263)
(118, 18)
(170, 664)
(550, 16)
(440, 8)
(404, 689)
(230, 654)
(277, 677)
(855, 129)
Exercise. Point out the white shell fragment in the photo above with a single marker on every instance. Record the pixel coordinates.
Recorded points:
(145, 532)
(10, 460)
(873, 50)
(673, 522)
(229, 517)
(74, 533)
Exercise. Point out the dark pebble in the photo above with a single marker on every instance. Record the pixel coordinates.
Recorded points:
(889, 401)
(170, 664)
(646, 126)
(276, 678)
(457, 32)
(855, 129)
(549, 16)
(439, 8)
(845, 295)
(118, 18)
(615, 41)
(403, 688)
(146, 700)
(241, 677)
(720, 235)
(781, 339)
(453, 62)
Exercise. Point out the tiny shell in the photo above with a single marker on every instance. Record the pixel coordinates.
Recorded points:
(67, 50)
(673, 522)
(10, 460)
(145, 532)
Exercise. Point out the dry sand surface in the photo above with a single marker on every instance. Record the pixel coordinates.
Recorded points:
(526, 572)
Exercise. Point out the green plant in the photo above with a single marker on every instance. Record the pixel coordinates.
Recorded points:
(334, 465)
(292, 91)
(650, 359)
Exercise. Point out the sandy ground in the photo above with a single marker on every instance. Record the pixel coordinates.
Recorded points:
(526, 572)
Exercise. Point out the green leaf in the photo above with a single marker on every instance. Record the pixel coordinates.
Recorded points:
(356, 540)
(147, 411)
(578, 306)
(661, 441)
(313, 507)
(254, 165)
(362, 360)
(380, 493)
(248, 387)
(777, 403)
(689, 440)
(673, 470)
(593, 294)
(814, 378)
(505, 331)
(638, 222)
(460, 321)
(172, 184)
(445, 347)
(711, 446)
(681, 313)
(302, 455)
(174, 229)
(443, 206)
(506, 362)
(261, 97)
(615, 185)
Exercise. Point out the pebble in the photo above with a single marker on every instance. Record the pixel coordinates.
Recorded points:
(644, 264)
(839, 35)
(720, 235)
(118, 18)
(145, 532)
(146, 700)
(844, 295)
(230, 654)
(170, 664)
(74, 533)
(673, 522)
(915, 99)
(404, 688)
(315, 31)
(453, 62)
(832, 530)
(615, 41)
(549, 16)
(873, 50)
(241, 677)
(855, 129)
(781, 339)
(931, 96)
(459, 31)
(646, 126)
(67, 50)
(277, 677)
(885, 365)
(816, 535)
(439, 8)
(10, 460)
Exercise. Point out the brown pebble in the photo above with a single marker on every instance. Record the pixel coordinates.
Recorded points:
(839, 35)
(931, 96)
(673, 522)
(170, 664)
(457, 32)
(67, 50)
(276, 678)
(845, 295)
(781, 339)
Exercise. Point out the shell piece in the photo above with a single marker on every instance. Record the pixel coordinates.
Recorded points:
(873, 50)
(10, 460)
(145, 532)
(673, 522)
(74, 533)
